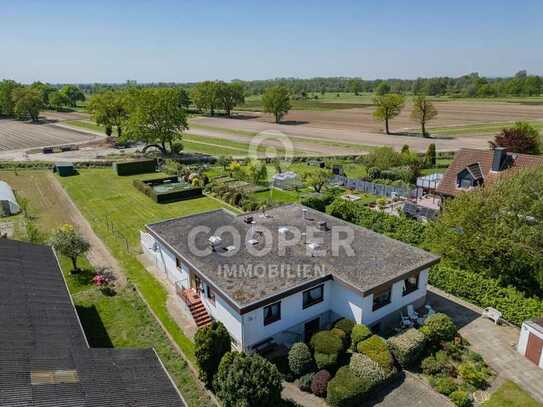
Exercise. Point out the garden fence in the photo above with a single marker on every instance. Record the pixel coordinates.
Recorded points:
(371, 187)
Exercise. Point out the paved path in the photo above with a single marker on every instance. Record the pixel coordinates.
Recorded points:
(496, 343)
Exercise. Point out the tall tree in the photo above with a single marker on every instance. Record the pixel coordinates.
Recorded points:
(388, 107)
(45, 90)
(230, 95)
(355, 85)
(211, 343)
(28, 102)
(58, 99)
(205, 96)
(68, 242)
(522, 138)
(382, 88)
(155, 116)
(73, 93)
(423, 111)
(276, 100)
(108, 109)
(7, 103)
(430, 157)
(317, 178)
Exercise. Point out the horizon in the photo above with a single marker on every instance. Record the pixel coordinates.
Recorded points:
(164, 41)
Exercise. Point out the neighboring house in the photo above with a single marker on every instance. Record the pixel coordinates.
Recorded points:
(471, 169)
(45, 359)
(261, 290)
(530, 343)
(8, 202)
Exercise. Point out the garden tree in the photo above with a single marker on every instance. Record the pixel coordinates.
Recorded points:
(184, 98)
(108, 109)
(73, 93)
(496, 231)
(68, 242)
(155, 117)
(423, 111)
(276, 100)
(58, 99)
(6, 97)
(247, 380)
(211, 343)
(522, 138)
(355, 85)
(388, 107)
(230, 95)
(382, 89)
(27, 103)
(205, 96)
(430, 157)
(317, 178)
(45, 90)
(257, 171)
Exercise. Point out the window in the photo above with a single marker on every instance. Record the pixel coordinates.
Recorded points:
(410, 284)
(272, 313)
(210, 294)
(177, 263)
(313, 296)
(381, 299)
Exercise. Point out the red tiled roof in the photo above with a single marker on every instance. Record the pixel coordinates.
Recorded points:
(467, 157)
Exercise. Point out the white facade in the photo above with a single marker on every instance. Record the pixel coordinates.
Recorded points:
(249, 329)
(529, 329)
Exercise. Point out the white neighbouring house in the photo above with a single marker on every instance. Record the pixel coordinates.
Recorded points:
(292, 272)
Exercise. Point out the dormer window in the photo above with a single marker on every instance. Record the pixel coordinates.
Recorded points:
(470, 177)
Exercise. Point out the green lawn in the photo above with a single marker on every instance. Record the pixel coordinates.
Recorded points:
(278, 196)
(511, 394)
(478, 129)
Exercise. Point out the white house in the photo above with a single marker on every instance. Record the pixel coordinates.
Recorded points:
(530, 342)
(282, 275)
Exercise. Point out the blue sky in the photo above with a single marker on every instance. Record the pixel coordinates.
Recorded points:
(163, 40)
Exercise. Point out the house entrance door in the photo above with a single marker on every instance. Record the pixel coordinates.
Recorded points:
(534, 348)
(311, 328)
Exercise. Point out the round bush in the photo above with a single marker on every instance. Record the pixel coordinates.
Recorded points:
(304, 382)
(346, 389)
(365, 368)
(359, 333)
(460, 398)
(439, 327)
(326, 342)
(376, 349)
(346, 325)
(299, 359)
(443, 384)
(320, 382)
(407, 347)
(325, 360)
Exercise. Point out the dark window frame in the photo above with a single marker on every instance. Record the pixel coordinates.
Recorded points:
(177, 262)
(315, 301)
(379, 305)
(210, 294)
(272, 318)
(409, 288)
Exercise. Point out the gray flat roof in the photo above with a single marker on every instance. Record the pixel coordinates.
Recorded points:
(44, 357)
(377, 259)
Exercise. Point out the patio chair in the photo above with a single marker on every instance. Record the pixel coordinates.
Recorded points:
(411, 313)
(430, 310)
(406, 322)
(493, 314)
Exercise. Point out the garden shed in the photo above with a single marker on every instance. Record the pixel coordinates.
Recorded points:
(286, 180)
(8, 202)
(64, 169)
(530, 342)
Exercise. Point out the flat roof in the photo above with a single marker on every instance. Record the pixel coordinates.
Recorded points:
(376, 259)
(44, 356)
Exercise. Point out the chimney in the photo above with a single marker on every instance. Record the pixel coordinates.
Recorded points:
(499, 159)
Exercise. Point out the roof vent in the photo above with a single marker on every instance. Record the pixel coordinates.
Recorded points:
(215, 242)
(230, 248)
(248, 219)
(252, 241)
(313, 247)
(323, 225)
(283, 230)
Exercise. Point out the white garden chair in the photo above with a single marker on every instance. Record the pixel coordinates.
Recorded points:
(493, 314)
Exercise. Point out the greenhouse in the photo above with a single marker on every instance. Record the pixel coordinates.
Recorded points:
(8, 203)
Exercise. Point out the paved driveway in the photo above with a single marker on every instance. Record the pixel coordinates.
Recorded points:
(497, 344)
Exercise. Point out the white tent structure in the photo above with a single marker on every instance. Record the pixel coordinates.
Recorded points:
(8, 203)
(286, 180)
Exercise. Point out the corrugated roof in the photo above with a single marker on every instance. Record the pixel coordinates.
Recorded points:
(41, 340)
(6, 194)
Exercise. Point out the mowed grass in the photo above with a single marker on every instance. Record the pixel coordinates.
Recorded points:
(478, 129)
(511, 394)
(119, 321)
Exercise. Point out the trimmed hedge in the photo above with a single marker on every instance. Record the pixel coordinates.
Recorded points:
(320, 382)
(346, 325)
(325, 360)
(346, 389)
(366, 368)
(146, 186)
(376, 349)
(300, 360)
(135, 167)
(326, 342)
(439, 327)
(407, 347)
(486, 292)
(359, 333)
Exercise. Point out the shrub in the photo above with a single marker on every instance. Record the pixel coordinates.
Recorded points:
(439, 327)
(325, 360)
(373, 173)
(460, 398)
(247, 380)
(443, 384)
(299, 359)
(407, 347)
(320, 382)
(474, 374)
(326, 342)
(359, 333)
(376, 349)
(317, 201)
(454, 350)
(346, 389)
(135, 167)
(304, 382)
(210, 345)
(486, 292)
(346, 325)
(365, 368)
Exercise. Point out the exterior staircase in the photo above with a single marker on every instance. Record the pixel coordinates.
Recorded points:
(199, 313)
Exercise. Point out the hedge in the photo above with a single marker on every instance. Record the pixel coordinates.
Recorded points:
(146, 186)
(135, 167)
(346, 325)
(346, 389)
(397, 227)
(359, 333)
(366, 368)
(407, 347)
(300, 360)
(485, 292)
(326, 342)
(376, 349)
